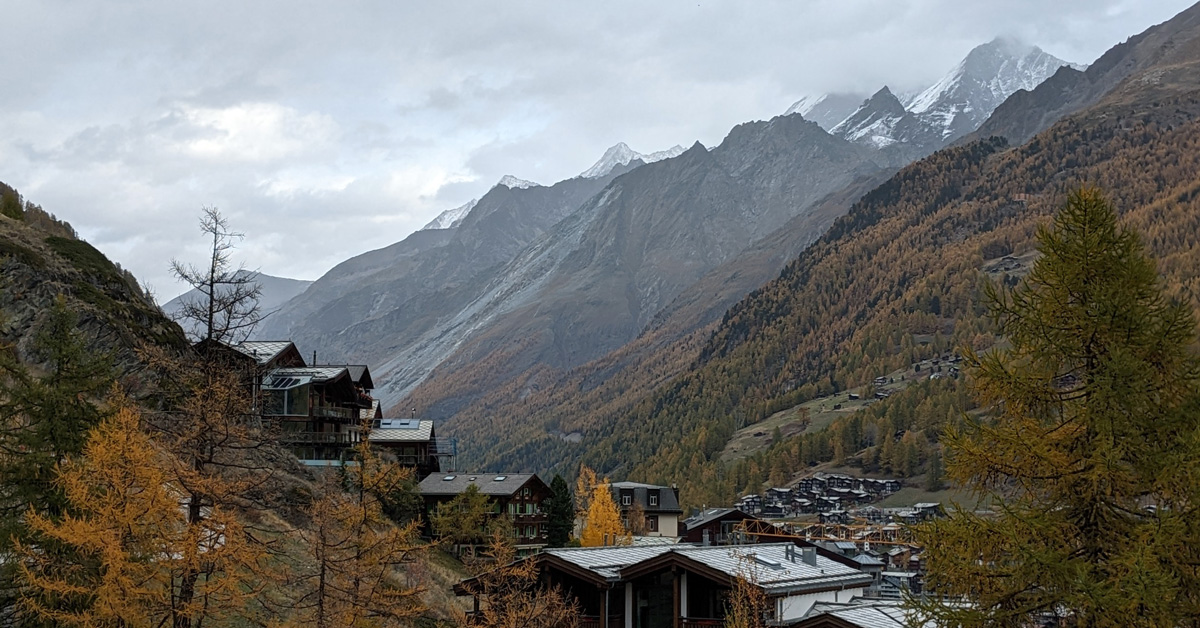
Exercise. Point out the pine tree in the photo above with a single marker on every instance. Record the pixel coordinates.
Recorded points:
(560, 513)
(1092, 452)
(603, 523)
(44, 419)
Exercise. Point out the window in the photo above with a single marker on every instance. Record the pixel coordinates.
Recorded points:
(626, 500)
(529, 533)
(654, 500)
(652, 523)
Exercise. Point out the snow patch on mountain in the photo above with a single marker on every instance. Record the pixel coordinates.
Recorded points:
(451, 218)
(514, 183)
(621, 155)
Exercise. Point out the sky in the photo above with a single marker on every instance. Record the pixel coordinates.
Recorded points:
(322, 130)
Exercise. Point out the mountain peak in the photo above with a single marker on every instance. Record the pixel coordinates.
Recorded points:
(620, 154)
(514, 183)
(451, 217)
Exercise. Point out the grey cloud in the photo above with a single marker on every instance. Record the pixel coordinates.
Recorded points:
(375, 116)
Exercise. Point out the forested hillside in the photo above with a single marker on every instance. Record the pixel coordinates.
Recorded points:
(904, 266)
(895, 281)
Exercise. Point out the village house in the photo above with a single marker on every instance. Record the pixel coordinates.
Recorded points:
(713, 526)
(686, 586)
(517, 496)
(412, 443)
(659, 506)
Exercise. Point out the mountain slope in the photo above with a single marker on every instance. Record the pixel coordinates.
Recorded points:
(827, 110)
(275, 292)
(379, 305)
(41, 260)
(1069, 90)
(953, 106)
(629, 252)
(897, 279)
(621, 155)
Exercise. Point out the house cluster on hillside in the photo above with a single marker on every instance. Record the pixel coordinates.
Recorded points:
(822, 493)
(321, 411)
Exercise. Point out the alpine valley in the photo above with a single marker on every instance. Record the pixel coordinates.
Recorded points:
(645, 314)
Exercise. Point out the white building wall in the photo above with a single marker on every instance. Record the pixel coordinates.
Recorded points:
(797, 606)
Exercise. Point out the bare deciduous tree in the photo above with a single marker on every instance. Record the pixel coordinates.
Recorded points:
(227, 309)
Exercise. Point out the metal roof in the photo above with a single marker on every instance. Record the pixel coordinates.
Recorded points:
(608, 561)
(401, 431)
(711, 514)
(263, 351)
(488, 483)
(867, 613)
(319, 374)
(769, 564)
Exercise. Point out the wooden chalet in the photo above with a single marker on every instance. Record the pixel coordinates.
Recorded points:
(413, 444)
(687, 586)
(517, 496)
(319, 410)
(714, 526)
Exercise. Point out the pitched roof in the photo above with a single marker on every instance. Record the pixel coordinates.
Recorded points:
(667, 502)
(500, 484)
(864, 613)
(775, 569)
(401, 431)
(318, 374)
(263, 351)
(712, 514)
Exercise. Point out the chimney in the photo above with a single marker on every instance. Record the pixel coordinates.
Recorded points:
(810, 555)
(789, 552)
(707, 539)
(675, 489)
(314, 358)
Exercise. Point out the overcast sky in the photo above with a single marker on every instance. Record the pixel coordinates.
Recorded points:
(326, 129)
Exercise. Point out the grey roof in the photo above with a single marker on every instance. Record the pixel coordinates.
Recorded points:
(319, 374)
(667, 502)
(768, 563)
(402, 431)
(867, 613)
(608, 561)
(263, 351)
(867, 560)
(706, 516)
(488, 483)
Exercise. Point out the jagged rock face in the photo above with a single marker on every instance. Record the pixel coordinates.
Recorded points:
(114, 316)
(964, 98)
(1171, 48)
(597, 280)
(954, 106)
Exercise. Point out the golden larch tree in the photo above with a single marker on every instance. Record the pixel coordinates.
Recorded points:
(603, 524)
(132, 540)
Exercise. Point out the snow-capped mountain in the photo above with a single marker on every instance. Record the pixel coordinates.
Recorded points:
(451, 218)
(514, 183)
(968, 94)
(827, 110)
(879, 121)
(950, 108)
(622, 155)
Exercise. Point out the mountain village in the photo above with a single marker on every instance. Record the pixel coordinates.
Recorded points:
(890, 359)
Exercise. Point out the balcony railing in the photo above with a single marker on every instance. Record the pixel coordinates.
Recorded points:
(328, 438)
(333, 412)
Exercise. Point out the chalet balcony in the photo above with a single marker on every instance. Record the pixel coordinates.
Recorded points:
(333, 412)
(324, 438)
